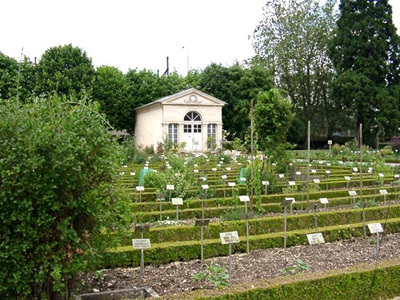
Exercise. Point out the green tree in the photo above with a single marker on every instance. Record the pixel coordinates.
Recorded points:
(109, 89)
(236, 85)
(65, 70)
(8, 77)
(272, 119)
(292, 40)
(57, 204)
(366, 53)
(145, 86)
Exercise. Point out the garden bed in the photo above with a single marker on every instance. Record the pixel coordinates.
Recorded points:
(176, 277)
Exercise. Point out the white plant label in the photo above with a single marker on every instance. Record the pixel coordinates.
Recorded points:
(383, 192)
(242, 178)
(316, 180)
(375, 227)
(204, 186)
(133, 173)
(290, 199)
(231, 184)
(196, 165)
(196, 171)
(170, 187)
(324, 200)
(122, 173)
(141, 244)
(281, 176)
(313, 171)
(292, 183)
(177, 201)
(355, 169)
(381, 175)
(228, 168)
(396, 175)
(231, 237)
(244, 198)
(352, 193)
(329, 142)
(224, 177)
(214, 169)
(298, 173)
(146, 168)
(347, 178)
(315, 238)
(265, 182)
(328, 171)
(218, 165)
(140, 188)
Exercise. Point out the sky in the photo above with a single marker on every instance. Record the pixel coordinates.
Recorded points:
(130, 34)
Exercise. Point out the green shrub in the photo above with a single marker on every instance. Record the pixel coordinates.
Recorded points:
(57, 167)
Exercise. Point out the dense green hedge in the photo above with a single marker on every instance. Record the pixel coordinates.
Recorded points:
(215, 212)
(189, 250)
(362, 283)
(273, 198)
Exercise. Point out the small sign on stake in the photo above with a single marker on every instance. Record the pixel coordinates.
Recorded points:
(317, 181)
(170, 187)
(141, 243)
(205, 186)
(292, 183)
(375, 228)
(232, 184)
(315, 238)
(140, 188)
(231, 237)
(244, 198)
(177, 201)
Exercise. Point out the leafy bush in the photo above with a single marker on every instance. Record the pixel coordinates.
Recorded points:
(57, 166)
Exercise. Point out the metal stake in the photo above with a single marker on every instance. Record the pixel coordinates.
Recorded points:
(230, 264)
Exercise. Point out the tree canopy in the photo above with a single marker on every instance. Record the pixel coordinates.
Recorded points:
(366, 55)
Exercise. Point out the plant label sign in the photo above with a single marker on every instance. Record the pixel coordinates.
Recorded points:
(383, 192)
(140, 188)
(232, 184)
(146, 168)
(224, 177)
(381, 175)
(177, 201)
(315, 238)
(141, 244)
(328, 171)
(231, 237)
(298, 173)
(228, 168)
(265, 182)
(214, 169)
(203, 178)
(355, 169)
(321, 162)
(195, 165)
(132, 173)
(324, 200)
(122, 173)
(170, 187)
(329, 142)
(196, 171)
(218, 165)
(313, 171)
(328, 164)
(244, 198)
(242, 178)
(204, 186)
(352, 193)
(281, 176)
(396, 175)
(292, 183)
(316, 180)
(347, 178)
(375, 227)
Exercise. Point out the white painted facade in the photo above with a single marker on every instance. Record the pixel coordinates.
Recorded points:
(190, 116)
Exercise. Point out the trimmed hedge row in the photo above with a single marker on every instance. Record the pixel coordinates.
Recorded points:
(364, 282)
(216, 212)
(229, 201)
(189, 250)
(218, 191)
(265, 225)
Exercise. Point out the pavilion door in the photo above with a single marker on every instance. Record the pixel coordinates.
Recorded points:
(192, 132)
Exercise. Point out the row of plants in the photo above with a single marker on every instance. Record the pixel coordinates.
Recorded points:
(190, 250)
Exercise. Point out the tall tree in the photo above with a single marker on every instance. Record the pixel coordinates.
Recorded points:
(292, 40)
(65, 70)
(109, 89)
(8, 77)
(236, 86)
(366, 54)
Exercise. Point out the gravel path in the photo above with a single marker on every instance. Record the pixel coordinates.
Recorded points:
(259, 264)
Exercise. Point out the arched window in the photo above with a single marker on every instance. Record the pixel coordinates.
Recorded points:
(192, 116)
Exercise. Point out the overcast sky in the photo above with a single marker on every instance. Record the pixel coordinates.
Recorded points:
(131, 34)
